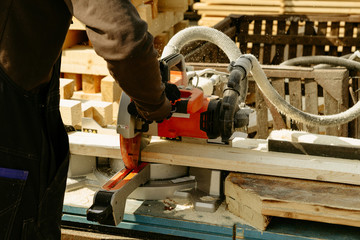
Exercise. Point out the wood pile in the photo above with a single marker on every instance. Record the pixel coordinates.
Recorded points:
(213, 11)
(86, 84)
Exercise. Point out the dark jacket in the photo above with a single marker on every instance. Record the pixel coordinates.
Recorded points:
(32, 34)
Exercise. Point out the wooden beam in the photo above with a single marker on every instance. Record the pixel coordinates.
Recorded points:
(91, 83)
(225, 158)
(110, 89)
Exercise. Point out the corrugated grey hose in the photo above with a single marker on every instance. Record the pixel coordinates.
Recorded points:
(205, 34)
(335, 119)
(233, 53)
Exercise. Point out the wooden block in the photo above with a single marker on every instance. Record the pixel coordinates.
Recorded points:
(91, 83)
(115, 111)
(87, 110)
(80, 95)
(77, 25)
(154, 8)
(102, 112)
(293, 198)
(136, 3)
(74, 37)
(77, 80)
(110, 89)
(171, 32)
(70, 112)
(181, 25)
(158, 25)
(245, 205)
(66, 88)
(178, 16)
(169, 20)
(173, 5)
(145, 12)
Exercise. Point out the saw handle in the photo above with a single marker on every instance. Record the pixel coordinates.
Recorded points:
(167, 63)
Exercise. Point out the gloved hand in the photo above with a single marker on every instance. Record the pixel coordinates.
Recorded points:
(172, 94)
(133, 111)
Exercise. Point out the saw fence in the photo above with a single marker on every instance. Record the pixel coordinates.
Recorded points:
(274, 39)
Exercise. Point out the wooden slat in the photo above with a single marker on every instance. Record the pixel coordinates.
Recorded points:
(320, 49)
(331, 107)
(261, 115)
(349, 31)
(334, 32)
(279, 86)
(309, 30)
(256, 46)
(311, 102)
(293, 30)
(295, 98)
(279, 50)
(267, 47)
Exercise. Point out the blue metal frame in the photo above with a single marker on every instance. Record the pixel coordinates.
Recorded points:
(279, 229)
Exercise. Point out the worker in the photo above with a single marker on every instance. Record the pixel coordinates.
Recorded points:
(33, 141)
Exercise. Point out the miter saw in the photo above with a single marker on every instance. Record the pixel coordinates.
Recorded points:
(195, 115)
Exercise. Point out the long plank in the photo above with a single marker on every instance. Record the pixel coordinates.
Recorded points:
(223, 157)
(322, 10)
(230, 8)
(321, 4)
(246, 2)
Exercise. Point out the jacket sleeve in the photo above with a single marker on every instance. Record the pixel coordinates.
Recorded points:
(120, 36)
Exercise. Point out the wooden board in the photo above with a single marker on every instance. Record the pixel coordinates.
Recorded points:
(227, 158)
(246, 2)
(265, 196)
(232, 8)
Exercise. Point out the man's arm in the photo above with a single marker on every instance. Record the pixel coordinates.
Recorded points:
(119, 36)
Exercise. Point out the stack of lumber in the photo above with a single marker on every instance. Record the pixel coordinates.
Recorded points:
(85, 76)
(213, 11)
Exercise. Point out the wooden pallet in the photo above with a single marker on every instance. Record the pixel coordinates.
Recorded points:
(256, 198)
(274, 39)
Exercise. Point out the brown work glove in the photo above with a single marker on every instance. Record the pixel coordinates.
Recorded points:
(172, 94)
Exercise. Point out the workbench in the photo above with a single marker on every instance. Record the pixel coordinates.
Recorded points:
(176, 217)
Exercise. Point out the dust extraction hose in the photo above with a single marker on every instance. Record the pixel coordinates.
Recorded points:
(233, 53)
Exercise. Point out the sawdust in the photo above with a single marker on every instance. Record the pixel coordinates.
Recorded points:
(82, 197)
